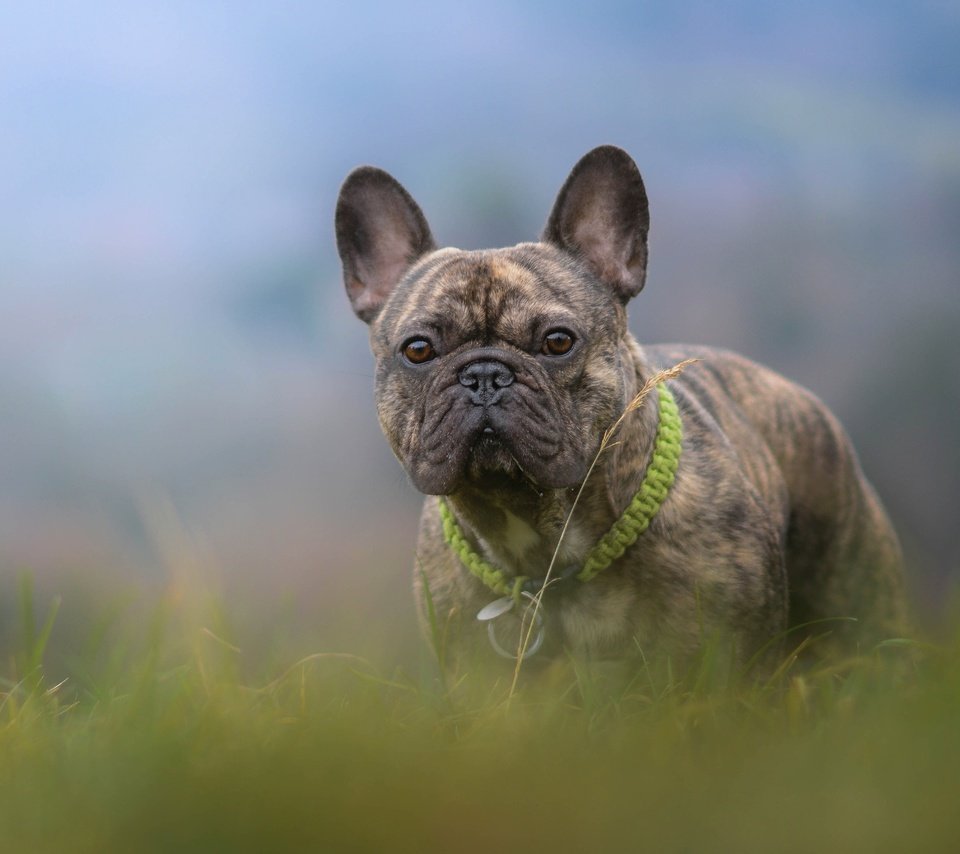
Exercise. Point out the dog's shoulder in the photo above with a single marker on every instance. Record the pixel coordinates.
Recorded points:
(753, 405)
(740, 393)
(724, 375)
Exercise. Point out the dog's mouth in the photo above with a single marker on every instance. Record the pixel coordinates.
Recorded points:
(498, 461)
(493, 419)
(490, 454)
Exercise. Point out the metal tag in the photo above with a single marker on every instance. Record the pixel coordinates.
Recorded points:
(495, 609)
(507, 629)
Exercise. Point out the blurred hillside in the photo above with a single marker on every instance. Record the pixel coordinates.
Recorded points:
(174, 341)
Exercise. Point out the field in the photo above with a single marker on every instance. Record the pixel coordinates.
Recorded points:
(163, 735)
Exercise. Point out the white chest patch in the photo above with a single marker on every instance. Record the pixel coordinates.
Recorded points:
(519, 536)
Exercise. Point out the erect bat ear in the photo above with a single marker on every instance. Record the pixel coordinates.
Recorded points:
(381, 231)
(601, 215)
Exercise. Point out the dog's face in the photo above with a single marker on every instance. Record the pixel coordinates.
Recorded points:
(498, 367)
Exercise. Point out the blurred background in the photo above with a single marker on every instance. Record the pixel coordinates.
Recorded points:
(184, 391)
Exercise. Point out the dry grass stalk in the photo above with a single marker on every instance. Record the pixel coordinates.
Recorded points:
(637, 401)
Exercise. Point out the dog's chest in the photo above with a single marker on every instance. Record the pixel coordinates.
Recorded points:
(521, 549)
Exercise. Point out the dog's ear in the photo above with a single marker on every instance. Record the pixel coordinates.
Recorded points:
(601, 215)
(381, 231)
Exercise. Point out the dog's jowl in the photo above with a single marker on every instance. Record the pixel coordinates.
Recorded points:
(729, 504)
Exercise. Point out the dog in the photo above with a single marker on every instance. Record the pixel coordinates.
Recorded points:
(498, 374)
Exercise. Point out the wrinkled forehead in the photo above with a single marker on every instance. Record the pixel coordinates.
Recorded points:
(497, 292)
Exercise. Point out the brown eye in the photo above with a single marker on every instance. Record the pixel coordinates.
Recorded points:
(418, 350)
(557, 343)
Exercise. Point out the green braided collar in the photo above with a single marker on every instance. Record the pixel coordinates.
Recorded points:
(657, 481)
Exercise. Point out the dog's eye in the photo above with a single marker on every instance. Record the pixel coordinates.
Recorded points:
(418, 350)
(557, 343)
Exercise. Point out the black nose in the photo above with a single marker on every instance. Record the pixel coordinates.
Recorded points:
(486, 380)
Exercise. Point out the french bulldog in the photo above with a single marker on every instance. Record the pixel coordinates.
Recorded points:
(498, 372)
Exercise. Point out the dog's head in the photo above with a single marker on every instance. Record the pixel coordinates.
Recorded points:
(500, 365)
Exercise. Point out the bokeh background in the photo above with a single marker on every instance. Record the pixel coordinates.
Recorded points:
(183, 388)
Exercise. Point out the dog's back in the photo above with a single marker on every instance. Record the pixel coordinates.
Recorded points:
(842, 555)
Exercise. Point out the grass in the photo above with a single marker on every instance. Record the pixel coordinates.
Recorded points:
(166, 736)
(156, 729)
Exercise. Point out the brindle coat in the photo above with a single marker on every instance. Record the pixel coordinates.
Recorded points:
(770, 522)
